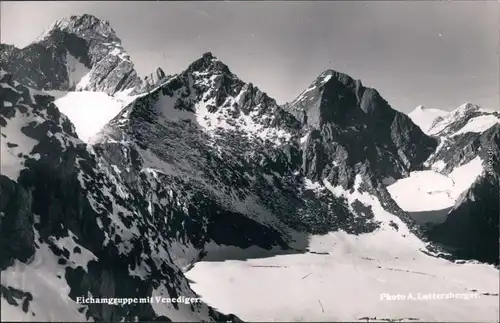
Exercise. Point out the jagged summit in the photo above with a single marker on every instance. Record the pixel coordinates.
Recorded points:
(466, 107)
(154, 79)
(79, 52)
(208, 55)
(334, 95)
(160, 72)
(86, 26)
(332, 75)
(344, 118)
(217, 100)
(208, 63)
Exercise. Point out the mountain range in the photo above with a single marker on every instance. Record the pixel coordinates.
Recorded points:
(117, 186)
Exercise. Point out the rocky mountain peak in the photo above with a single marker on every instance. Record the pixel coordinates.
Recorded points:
(455, 120)
(353, 127)
(86, 26)
(330, 76)
(79, 52)
(159, 72)
(335, 96)
(208, 63)
(465, 108)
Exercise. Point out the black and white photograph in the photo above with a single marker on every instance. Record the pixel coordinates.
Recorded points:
(249, 161)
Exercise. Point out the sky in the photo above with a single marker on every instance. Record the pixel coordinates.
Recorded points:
(439, 54)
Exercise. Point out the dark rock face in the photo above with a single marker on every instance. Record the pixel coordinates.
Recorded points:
(44, 64)
(16, 297)
(63, 192)
(155, 79)
(350, 130)
(471, 229)
(16, 223)
(356, 132)
(354, 127)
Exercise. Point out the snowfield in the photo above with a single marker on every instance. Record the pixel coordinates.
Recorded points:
(429, 190)
(479, 124)
(346, 284)
(89, 111)
(424, 117)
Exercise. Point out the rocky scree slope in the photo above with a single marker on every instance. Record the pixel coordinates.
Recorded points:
(69, 228)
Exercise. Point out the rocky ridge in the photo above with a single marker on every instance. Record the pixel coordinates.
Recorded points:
(78, 52)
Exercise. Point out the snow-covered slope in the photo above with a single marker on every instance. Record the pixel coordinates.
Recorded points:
(89, 111)
(424, 117)
(430, 190)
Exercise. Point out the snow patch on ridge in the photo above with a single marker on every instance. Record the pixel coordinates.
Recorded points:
(424, 117)
(479, 124)
(429, 190)
(89, 111)
(226, 117)
(15, 145)
(441, 123)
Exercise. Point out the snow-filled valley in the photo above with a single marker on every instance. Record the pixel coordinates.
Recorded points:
(346, 278)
